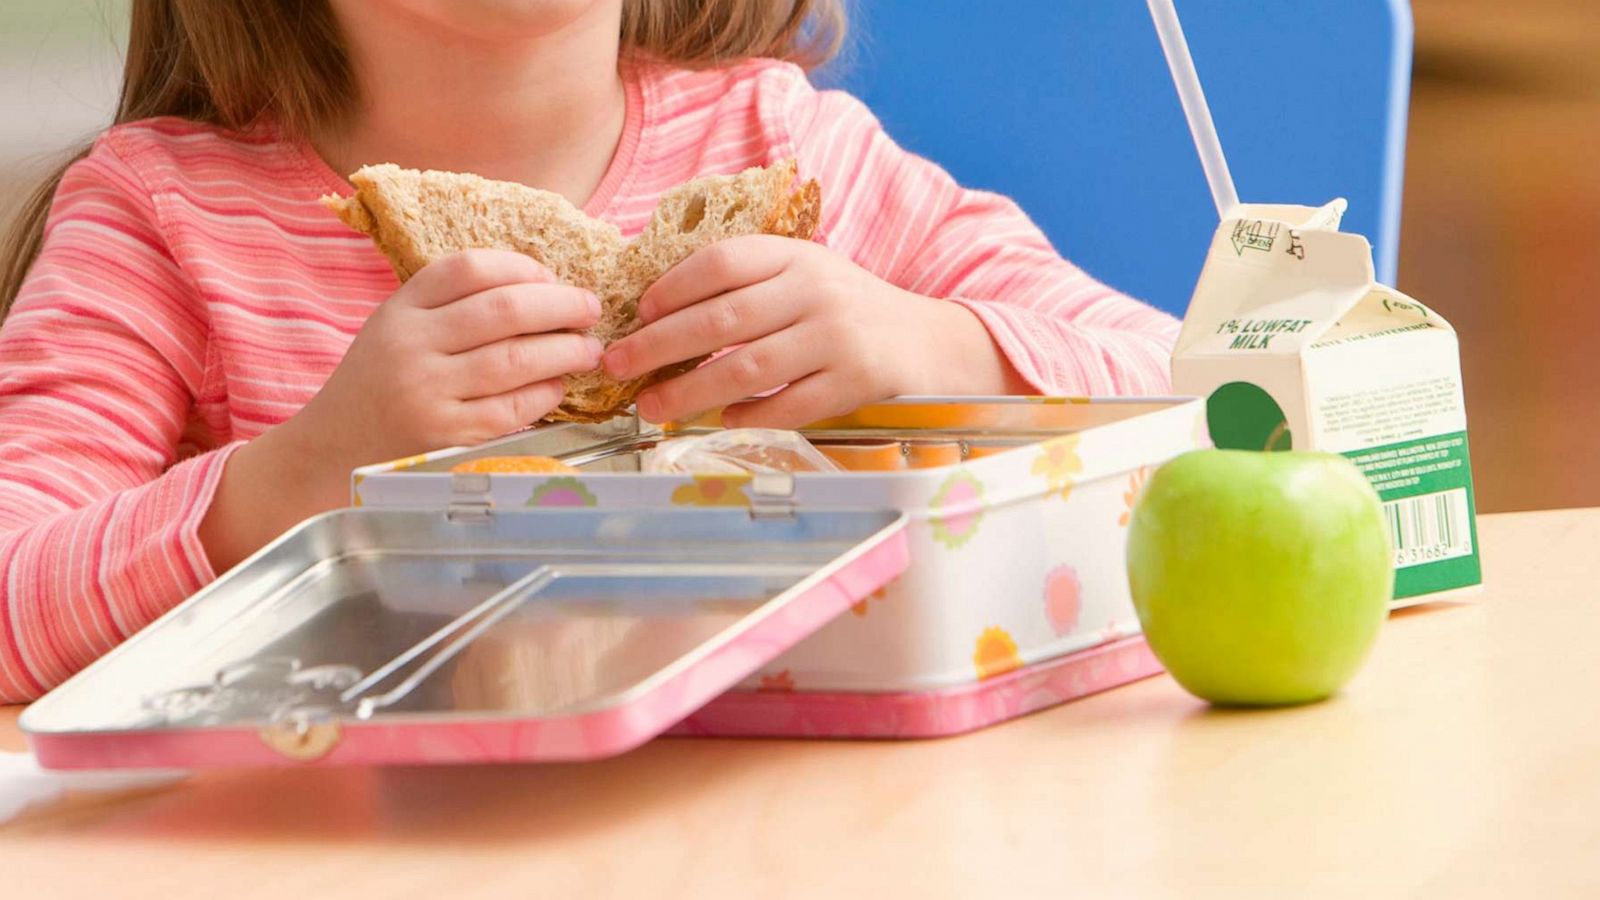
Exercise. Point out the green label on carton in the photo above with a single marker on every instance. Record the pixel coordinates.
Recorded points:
(1426, 489)
(1242, 416)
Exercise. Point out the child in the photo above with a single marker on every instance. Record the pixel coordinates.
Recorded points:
(196, 353)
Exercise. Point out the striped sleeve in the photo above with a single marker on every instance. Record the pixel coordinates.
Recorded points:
(906, 220)
(100, 360)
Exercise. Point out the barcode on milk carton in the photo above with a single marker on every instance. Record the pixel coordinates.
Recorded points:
(1429, 528)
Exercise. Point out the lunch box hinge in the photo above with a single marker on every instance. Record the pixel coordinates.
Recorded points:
(772, 495)
(303, 738)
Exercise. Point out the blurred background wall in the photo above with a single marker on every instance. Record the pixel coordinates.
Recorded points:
(1502, 233)
(59, 72)
(1501, 218)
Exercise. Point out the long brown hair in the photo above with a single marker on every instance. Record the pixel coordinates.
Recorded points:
(231, 62)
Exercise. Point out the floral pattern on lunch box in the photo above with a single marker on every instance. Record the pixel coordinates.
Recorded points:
(862, 608)
(562, 492)
(1058, 463)
(1063, 599)
(957, 509)
(713, 490)
(1130, 497)
(995, 654)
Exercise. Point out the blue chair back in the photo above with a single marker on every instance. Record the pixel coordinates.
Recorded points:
(1067, 106)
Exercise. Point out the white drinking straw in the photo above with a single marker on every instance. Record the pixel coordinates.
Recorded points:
(1195, 109)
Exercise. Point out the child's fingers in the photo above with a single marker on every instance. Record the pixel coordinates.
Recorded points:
(704, 328)
(512, 309)
(469, 272)
(491, 417)
(811, 399)
(722, 267)
(750, 370)
(509, 364)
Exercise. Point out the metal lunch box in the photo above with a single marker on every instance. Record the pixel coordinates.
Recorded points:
(973, 574)
(1015, 598)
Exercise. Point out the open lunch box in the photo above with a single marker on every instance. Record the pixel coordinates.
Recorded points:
(972, 573)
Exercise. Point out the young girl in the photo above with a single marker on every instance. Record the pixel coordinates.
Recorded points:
(197, 354)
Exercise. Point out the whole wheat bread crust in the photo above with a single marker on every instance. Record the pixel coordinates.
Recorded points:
(410, 238)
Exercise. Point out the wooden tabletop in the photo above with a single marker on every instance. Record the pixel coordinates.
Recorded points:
(1464, 761)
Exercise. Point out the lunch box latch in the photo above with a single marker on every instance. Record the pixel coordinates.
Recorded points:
(469, 497)
(772, 495)
(303, 737)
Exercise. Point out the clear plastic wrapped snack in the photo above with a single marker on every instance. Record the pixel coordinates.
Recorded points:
(737, 451)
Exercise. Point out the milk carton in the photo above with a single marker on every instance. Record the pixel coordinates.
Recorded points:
(1296, 346)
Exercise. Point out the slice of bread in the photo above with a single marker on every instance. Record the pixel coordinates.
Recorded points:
(417, 217)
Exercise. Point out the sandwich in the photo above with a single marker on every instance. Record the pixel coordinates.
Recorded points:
(417, 217)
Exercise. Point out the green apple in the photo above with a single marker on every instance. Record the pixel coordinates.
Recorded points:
(1260, 578)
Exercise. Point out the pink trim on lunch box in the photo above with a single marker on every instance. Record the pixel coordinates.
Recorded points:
(923, 714)
(420, 740)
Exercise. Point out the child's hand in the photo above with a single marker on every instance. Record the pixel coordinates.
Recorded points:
(837, 335)
(469, 349)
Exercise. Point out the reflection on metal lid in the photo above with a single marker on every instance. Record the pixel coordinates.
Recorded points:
(390, 618)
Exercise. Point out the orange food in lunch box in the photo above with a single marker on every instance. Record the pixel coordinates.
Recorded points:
(865, 457)
(524, 465)
(932, 456)
(978, 451)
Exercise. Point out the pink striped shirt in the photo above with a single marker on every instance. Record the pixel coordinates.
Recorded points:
(192, 293)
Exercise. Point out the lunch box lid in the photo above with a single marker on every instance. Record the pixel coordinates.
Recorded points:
(405, 636)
